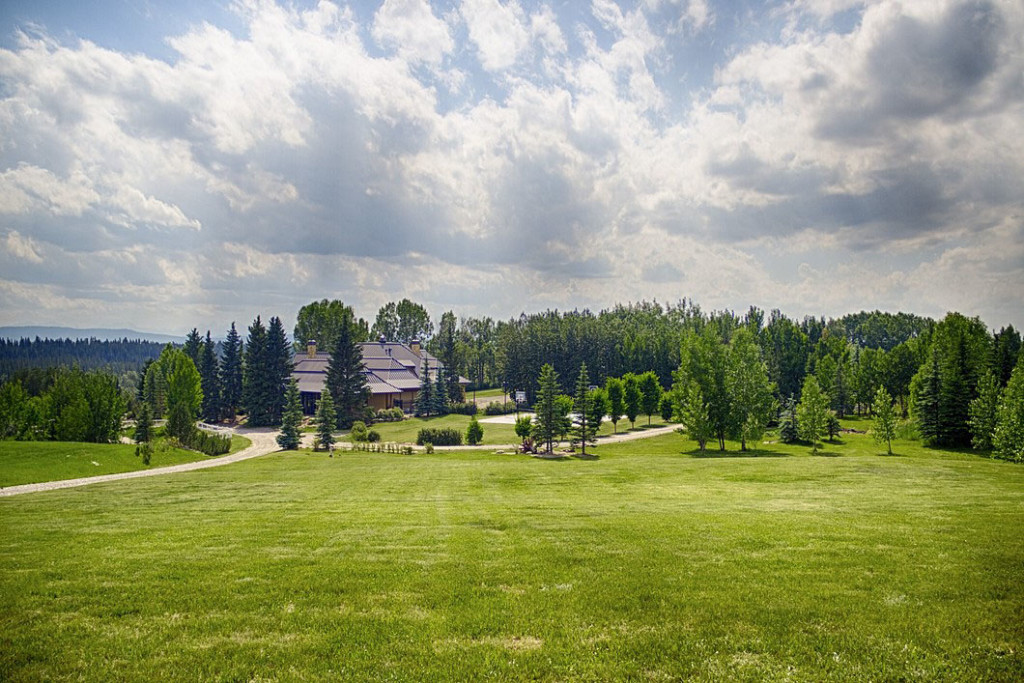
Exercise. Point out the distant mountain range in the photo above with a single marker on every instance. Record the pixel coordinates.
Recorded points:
(32, 332)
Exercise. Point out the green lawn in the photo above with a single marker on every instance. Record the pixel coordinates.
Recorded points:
(649, 562)
(406, 430)
(28, 462)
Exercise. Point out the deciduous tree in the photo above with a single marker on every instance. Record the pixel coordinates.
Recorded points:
(884, 419)
(812, 413)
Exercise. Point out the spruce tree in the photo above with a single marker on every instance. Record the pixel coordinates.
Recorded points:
(583, 430)
(983, 412)
(255, 376)
(279, 367)
(425, 396)
(812, 412)
(474, 432)
(926, 389)
(194, 346)
(345, 379)
(326, 421)
(884, 418)
(144, 424)
(1008, 438)
(545, 423)
(440, 396)
(209, 373)
(789, 426)
(291, 420)
(231, 374)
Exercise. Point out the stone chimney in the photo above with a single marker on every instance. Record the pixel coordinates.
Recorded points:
(415, 346)
(311, 348)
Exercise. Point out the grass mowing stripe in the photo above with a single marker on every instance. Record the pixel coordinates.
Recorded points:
(646, 563)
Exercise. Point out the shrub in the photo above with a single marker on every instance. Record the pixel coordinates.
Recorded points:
(667, 408)
(206, 443)
(428, 447)
(474, 433)
(373, 436)
(358, 432)
(465, 408)
(524, 426)
(439, 436)
(497, 408)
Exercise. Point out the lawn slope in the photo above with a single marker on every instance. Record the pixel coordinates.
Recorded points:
(648, 562)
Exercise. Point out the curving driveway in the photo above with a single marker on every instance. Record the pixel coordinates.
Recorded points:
(263, 441)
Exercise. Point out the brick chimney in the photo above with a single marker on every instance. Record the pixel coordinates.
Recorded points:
(415, 346)
(311, 348)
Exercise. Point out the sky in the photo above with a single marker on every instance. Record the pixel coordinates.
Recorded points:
(169, 165)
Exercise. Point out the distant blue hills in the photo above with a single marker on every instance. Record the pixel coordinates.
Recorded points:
(31, 332)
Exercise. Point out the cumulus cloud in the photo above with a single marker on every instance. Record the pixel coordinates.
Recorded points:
(528, 153)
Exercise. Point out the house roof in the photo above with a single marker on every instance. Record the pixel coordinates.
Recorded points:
(389, 368)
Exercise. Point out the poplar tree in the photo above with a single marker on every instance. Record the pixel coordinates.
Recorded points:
(747, 382)
(291, 420)
(1008, 439)
(616, 404)
(692, 413)
(884, 418)
(650, 394)
(545, 423)
(812, 412)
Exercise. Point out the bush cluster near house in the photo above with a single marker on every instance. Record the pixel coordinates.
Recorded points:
(439, 436)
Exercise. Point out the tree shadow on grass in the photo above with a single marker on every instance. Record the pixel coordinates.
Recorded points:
(827, 454)
(749, 453)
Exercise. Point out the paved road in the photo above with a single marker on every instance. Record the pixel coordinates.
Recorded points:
(263, 442)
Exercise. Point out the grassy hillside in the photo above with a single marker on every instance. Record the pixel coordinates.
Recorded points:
(28, 462)
(649, 563)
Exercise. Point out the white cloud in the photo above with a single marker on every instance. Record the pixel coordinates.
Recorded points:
(411, 29)
(498, 30)
(22, 247)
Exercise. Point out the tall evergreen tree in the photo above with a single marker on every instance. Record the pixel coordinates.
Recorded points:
(345, 379)
(231, 374)
(545, 423)
(884, 418)
(789, 425)
(812, 412)
(1006, 350)
(447, 351)
(256, 375)
(210, 374)
(583, 430)
(326, 421)
(1008, 439)
(144, 424)
(983, 412)
(279, 367)
(291, 421)
(194, 347)
(425, 403)
(440, 396)
(925, 397)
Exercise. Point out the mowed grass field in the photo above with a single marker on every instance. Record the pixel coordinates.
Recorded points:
(647, 563)
(29, 462)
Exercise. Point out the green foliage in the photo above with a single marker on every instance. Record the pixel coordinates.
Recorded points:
(439, 398)
(546, 420)
(425, 403)
(445, 346)
(144, 424)
(583, 429)
(1008, 437)
(632, 398)
(474, 432)
(650, 394)
(692, 412)
(291, 423)
(326, 421)
(439, 436)
(184, 392)
(884, 419)
(616, 401)
(372, 436)
(524, 426)
(753, 402)
(789, 425)
(207, 443)
(359, 431)
(13, 401)
(925, 393)
(499, 408)
(145, 451)
(812, 412)
(209, 374)
(462, 408)
(194, 346)
(321, 322)
(230, 374)
(667, 407)
(404, 322)
(705, 360)
(983, 412)
(832, 425)
(345, 379)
